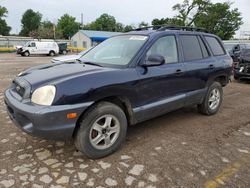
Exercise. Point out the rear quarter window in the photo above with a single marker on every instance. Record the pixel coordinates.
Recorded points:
(215, 45)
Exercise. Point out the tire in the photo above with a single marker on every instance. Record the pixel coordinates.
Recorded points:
(26, 54)
(236, 77)
(52, 53)
(207, 107)
(95, 119)
(64, 52)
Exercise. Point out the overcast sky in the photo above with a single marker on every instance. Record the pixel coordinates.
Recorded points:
(126, 12)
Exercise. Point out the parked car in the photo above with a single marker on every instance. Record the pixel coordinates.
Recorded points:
(245, 56)
(69, 58)
(39, 48)
(124, 80)
(229, 48)
(63, 48)
(236, 50)
(242, 69)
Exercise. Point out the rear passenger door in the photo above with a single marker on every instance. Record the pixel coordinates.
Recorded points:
(222, 62)
(197, 61)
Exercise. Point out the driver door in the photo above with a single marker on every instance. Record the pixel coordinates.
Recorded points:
(32, 48)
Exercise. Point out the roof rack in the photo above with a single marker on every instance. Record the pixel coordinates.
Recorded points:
(171, 27)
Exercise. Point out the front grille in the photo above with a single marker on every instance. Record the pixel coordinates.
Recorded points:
(22, 87)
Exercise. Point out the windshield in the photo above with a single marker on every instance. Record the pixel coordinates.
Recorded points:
(116, 51)
(27, 44)
(229, 46)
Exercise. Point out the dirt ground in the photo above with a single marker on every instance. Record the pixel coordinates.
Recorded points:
(180, 149)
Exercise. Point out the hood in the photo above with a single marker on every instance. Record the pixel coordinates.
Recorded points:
(66, 58)
(50, 73)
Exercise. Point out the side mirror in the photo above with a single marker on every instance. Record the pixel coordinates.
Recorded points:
(154, 60)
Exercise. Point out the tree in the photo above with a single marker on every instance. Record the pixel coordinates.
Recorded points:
(46, 30)
(128, 28)
(189, 10)
(4, 28)
(220, 20)
(67, 25)
(105, 23)
(30, 22)
(143, 24)
(167, 21)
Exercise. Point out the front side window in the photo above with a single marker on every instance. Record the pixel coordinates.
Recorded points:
(215, 45)
(166, 47)
(116, 51)
(191, 47)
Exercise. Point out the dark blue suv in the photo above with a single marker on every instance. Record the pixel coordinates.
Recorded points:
(126, 79)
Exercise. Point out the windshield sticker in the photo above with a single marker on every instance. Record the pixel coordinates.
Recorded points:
(138, 38)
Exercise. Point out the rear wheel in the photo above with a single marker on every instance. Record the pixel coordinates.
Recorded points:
(52, 53)
(102, 130)
(64, 52)
(212, 100)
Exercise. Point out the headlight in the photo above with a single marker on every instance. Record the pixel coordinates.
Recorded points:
(20, 74)
(44, 95)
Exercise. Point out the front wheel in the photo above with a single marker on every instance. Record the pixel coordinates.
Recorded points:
(26, 54)
(213, 99)
(102, 130)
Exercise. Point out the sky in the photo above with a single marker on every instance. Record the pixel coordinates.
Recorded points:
(126, 12)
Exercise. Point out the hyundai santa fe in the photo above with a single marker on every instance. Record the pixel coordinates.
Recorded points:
(124, 80)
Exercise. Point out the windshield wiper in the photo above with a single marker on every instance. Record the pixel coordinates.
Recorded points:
(92, 63)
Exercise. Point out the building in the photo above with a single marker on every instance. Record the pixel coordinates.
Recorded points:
(89, 38)
(13, 41)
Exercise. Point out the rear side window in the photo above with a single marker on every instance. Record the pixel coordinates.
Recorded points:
(216, 47)
(191, 47)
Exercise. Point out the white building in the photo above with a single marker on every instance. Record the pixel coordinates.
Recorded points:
(89, 38)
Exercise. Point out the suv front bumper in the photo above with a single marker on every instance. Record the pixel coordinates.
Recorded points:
(49, 122)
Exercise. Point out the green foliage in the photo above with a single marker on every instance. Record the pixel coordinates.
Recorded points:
(67, 25)
(30, 22)
(217, 18)
(105, 23)
(220, 20)
(128, 28)
(143, 24)
(167, 21)
(46, 30)
(189, 10)
(4, 28)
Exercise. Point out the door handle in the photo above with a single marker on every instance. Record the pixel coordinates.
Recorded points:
(211, 66)
(179, 72)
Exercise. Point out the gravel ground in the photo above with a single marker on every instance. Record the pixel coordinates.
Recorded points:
(180, 149)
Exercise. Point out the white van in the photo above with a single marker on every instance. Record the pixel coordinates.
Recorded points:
(39, 48)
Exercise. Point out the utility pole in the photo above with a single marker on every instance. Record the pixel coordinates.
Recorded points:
(81, 20)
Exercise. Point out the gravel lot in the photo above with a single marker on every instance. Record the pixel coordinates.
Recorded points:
(180, 149)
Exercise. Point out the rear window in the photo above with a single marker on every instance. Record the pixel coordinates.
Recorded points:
(215, 45)
(191, 47)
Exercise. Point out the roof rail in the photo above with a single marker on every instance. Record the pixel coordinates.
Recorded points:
(171, 27)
